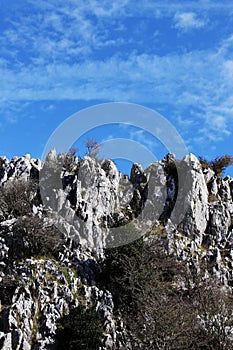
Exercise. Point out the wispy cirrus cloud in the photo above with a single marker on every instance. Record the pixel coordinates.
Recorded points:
(142, 137)
(188, 20)
(80, 52)
(184, 81)
(64, 31)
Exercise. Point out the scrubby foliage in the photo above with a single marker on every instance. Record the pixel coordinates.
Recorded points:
(16, 197)
(218, 165)
(68, 160)
(163, 304)
(80, 329)
(116, 274)
(32, 237)
(93, 148)
(56, 165)
(8, 286)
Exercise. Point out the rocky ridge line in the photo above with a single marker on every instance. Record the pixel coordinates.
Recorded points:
(192, 206)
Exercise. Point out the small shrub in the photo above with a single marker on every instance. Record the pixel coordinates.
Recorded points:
(159, 231)
(8, 286)
(212, 198)
(16, 197)
(218, 165)
(32, 237)
(80, 329)
(93, 148)
(68, 160)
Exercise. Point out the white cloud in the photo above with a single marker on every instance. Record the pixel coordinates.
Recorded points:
(188, 20)
(228, 69)
(190, 80)
(219, 122)
(142, 137)
(60, 42)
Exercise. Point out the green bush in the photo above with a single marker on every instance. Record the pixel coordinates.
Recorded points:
(165, 305)
(32, 237)
(16, 197)
(80, 329)
(8, 286)
(120, 269)
(218, 165)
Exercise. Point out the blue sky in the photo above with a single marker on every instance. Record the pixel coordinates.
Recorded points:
(58, 57)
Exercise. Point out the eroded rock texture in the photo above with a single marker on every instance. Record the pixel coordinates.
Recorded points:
(87, 204)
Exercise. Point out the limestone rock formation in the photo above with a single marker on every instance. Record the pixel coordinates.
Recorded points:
(86, 203)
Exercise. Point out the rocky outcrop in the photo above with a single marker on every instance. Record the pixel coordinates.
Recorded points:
(19, 167)
(88, 203)
(44, 291)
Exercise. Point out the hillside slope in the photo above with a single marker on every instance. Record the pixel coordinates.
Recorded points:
(57, 219)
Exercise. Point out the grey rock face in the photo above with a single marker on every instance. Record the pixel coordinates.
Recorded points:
(192, 200)
(48, 291)
(19, 167)
(193, 205)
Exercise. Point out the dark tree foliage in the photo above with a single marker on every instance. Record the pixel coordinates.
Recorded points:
(218, 165)
(164, 305)
(116, 271)
(31, 237)
(17, 196)
(69, 160)
(80, 329)
(8, 286)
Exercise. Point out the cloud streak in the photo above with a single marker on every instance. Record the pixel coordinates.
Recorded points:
(188, 20)
(70, 52)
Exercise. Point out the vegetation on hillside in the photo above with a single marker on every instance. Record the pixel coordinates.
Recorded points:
(164, 305)
(218, 165)
(80, 329)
